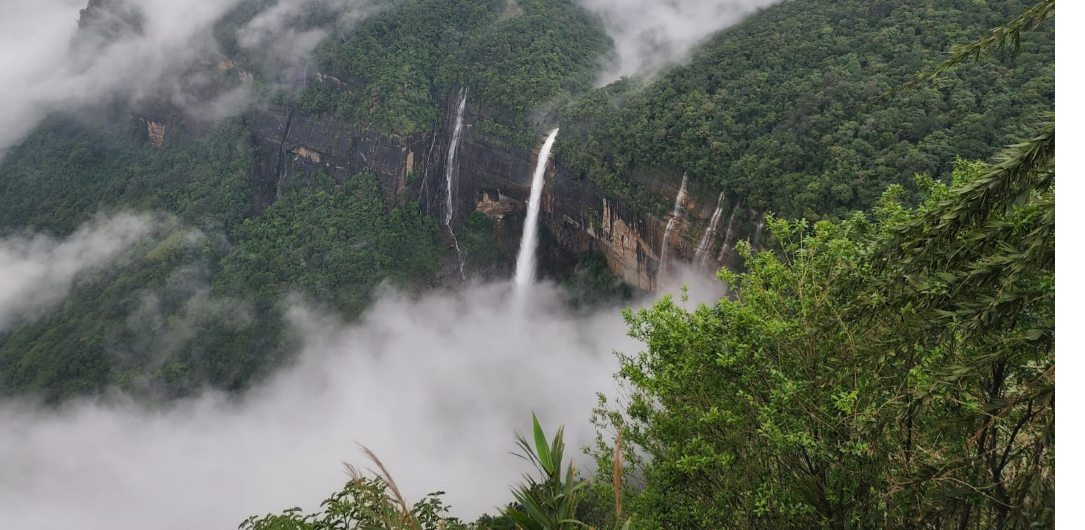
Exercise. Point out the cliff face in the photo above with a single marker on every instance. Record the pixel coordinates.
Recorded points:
(287, 141)
(495, 180)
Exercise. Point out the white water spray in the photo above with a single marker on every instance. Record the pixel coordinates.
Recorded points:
(756, 241)
(525, 262)
(450, 175)
(701, 256)
(678, 200)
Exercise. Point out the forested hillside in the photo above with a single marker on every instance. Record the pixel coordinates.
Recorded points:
(212, 305)
(772, 109)
(512, 56)
(883, 357)
(330, 242)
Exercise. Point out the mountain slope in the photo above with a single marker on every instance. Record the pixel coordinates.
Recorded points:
(770, 110)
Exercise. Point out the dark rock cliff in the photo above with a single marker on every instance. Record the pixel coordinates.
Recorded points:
(287, 140)
(494, 179)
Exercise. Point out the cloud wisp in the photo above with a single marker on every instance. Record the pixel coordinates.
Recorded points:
(144, 49)
(39, 271)
(47, 68)
(653, 34)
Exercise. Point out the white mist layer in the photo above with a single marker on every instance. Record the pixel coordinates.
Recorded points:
(39, 271)
(435, 387)
(525, 262)
(653, 34)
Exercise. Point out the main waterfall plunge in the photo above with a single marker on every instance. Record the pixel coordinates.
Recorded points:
(525, 262)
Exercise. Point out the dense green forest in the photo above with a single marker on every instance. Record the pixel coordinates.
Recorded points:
(67, 171)
(892, 369)
(216, 312)
(887, 360)
(331, 243)
(511, 55)
(771, 110)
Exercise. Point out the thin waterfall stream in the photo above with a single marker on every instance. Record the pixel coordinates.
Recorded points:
(678, 200)
(450, 176)
(700, 258)
(729, 235)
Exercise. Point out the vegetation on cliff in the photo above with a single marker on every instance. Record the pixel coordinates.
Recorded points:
(199, 310)
(511, 56)
(772, 110)
(893, 369)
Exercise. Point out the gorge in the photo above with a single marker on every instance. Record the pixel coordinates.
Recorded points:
(240, 237)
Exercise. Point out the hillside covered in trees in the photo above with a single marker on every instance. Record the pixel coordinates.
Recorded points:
(774, 110)
(885, 358)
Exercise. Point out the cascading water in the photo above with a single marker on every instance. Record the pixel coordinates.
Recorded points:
(423, 201)
(525, 262)
(701, 256)
(678, 200)
(729, 235)
(450, 175)
(756, 241)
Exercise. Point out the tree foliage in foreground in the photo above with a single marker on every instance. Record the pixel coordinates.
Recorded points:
(774, 110)
(550, 502)
(843, 391)
(364, 503)
(896, 372)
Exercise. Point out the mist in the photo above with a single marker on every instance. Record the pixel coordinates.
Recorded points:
(435, 386)
(650, 35)
(38, 271)
(48, 64)
(47, 69)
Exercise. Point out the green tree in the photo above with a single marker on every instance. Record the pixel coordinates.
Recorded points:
(894, 373)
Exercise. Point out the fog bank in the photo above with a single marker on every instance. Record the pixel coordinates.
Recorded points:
(434, 386)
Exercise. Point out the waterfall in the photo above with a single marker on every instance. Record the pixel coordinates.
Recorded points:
(757, 233)
(450, 176)
(525, 262)
(700, 258)
(729, 235)
(678, 200)
(423, 198)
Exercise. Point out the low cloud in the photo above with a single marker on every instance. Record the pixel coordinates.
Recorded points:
(285, 37)
(39, 271)
(653, 34)
(140, 49)
(434, 385)
(47, 68)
